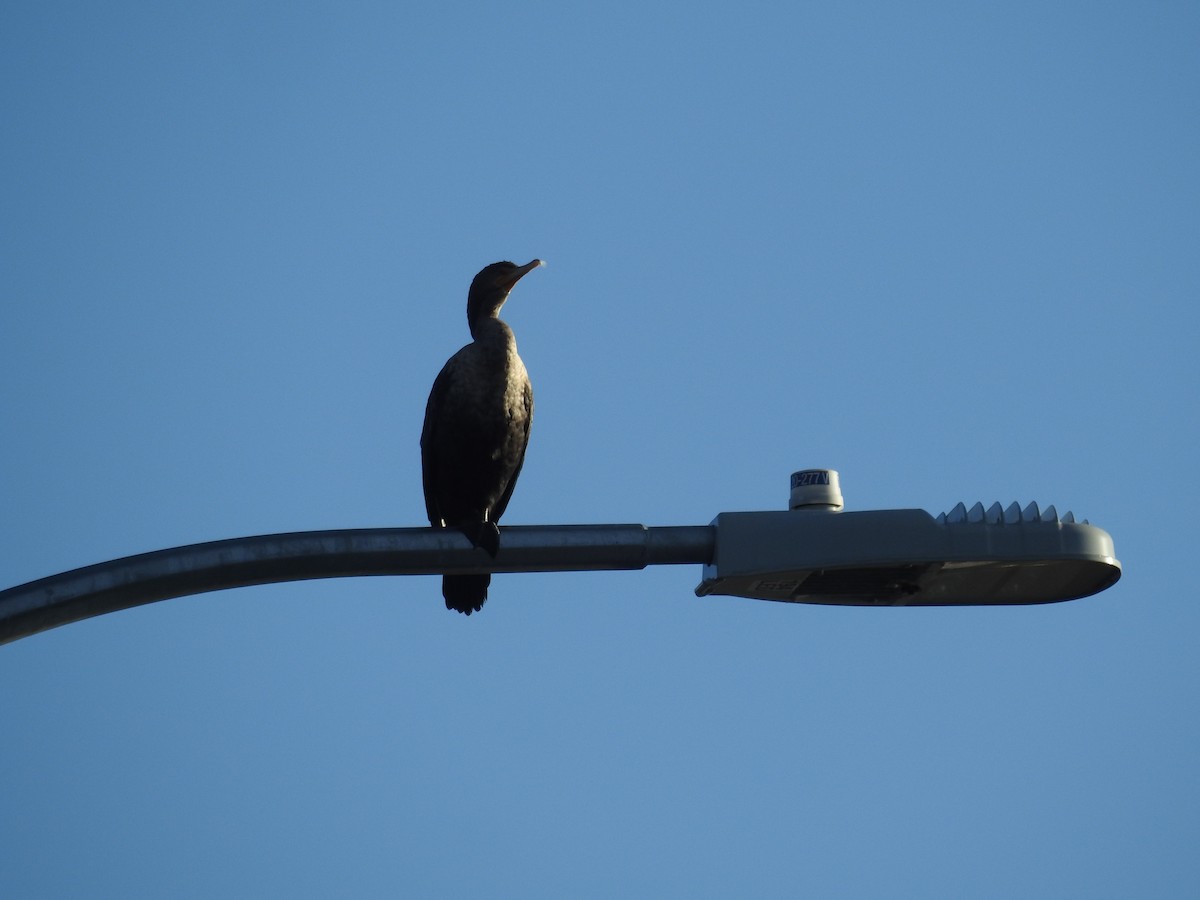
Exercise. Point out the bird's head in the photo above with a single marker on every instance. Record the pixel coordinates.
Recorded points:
(490, 288)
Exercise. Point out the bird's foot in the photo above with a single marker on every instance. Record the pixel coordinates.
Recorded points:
(489, 538)
(483, 534)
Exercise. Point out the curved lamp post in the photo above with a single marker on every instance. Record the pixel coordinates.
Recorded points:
(812, 553)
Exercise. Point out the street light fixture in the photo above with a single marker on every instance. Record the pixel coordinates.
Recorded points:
(812, 553)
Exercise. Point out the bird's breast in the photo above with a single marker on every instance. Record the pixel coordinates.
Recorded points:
(488, 386)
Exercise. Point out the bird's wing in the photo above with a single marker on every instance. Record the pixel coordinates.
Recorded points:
(502, 503)
(429, 442)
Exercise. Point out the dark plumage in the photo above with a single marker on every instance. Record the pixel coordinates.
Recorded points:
(476, 430)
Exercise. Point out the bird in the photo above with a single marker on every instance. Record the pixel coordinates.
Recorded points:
(476, 430)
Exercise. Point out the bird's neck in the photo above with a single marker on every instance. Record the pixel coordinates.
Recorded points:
(491, 331)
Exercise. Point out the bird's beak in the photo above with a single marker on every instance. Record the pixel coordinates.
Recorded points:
(522, 271)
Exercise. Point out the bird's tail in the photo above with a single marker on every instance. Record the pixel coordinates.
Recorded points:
(465, 593)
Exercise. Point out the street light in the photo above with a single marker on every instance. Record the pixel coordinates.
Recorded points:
(812, 553)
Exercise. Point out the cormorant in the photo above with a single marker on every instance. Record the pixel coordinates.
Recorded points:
(476, 430)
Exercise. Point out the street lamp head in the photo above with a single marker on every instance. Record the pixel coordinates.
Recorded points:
(906, 557)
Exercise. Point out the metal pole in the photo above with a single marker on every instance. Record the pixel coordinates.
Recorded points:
(136, 580)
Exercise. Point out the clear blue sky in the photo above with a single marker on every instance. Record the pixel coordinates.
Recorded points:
(948, 249)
